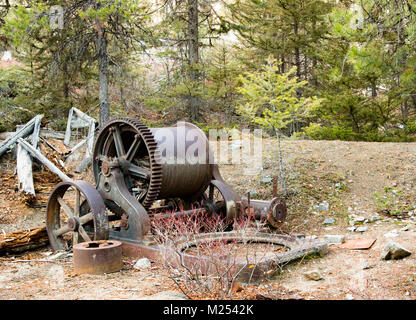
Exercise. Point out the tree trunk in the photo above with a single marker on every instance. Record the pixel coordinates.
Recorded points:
(103, 73)
(193, 54)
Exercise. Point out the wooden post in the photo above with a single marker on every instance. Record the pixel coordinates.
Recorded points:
(89, 122)
(68, 127)
(24, 163)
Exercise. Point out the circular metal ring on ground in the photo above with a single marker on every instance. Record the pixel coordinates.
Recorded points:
(98, 257)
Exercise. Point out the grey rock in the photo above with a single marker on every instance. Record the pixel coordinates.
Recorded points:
(323, 206)
(349, 297)
(405, 228)
(166, 295)
(266, 180)
(334, 239)
(313, 275)
(142, 263)
(361, 229)
(391, 234)
(351, 229)
(329, 221)
(359, 219)
(393, 251)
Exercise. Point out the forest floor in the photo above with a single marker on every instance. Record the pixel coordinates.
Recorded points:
(353, 177)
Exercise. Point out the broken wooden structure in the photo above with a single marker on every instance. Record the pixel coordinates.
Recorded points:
(26, 139)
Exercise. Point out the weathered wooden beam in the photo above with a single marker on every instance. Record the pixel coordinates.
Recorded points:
(23, 240)
(90, 140)
(68, 127)
(35, 153)
(21, 133)
(43, 132)
(24, 163)
(24, 171)
(86, 121)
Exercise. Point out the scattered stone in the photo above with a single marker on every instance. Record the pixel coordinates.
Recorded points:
(405, 228)
(391, 234)
(323, 206)
(334, 239)
(338, 185)
(142, 263)
(59, 255)
(359, 219)
(329, 221)
(351, 229)
(394, 251)
(313, 275)
(349, 297)
(361, 229)
(375, 217)
(166, 295)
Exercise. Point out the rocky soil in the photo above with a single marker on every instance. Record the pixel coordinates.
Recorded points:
(356, 190)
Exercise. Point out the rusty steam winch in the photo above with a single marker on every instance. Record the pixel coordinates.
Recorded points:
(142, 173)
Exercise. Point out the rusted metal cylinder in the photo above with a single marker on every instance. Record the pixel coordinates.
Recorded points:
(98, 257)
(274, 210)
(185, 154)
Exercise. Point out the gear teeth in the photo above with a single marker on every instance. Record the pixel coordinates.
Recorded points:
(156, 178)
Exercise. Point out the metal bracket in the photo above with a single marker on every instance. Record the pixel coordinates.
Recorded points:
(112, 186)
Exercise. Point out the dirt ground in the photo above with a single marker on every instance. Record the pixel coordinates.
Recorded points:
(353, 177)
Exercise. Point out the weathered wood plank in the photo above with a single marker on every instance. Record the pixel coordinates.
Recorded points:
(35, 153)
(24, 171)
(21, 133)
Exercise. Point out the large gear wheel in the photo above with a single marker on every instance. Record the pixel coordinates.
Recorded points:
(133, 144)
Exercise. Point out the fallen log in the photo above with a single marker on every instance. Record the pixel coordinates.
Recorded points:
(23, 240)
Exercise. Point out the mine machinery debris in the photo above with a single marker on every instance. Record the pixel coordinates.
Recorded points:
(134, 186)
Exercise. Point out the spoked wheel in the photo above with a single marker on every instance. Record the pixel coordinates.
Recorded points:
(216, 199)
(223, 199)
(75, 213)
(132, 144)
